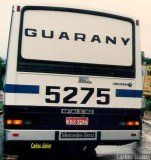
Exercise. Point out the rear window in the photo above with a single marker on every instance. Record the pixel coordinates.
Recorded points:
(77, 39)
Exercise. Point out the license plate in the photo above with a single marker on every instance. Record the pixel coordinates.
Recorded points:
(77, 121)
(78, 136)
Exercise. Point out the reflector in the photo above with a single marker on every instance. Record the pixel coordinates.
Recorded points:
(15, 134)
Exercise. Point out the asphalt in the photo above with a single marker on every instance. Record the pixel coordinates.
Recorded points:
(147, 119)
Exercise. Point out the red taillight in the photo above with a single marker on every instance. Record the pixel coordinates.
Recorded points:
(18, 8)
(137, 22)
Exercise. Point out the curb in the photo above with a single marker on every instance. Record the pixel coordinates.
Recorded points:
(147, 123)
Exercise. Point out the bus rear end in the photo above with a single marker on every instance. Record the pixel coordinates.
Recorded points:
(73, 77)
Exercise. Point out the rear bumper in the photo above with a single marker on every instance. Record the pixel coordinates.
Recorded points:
(99, 136)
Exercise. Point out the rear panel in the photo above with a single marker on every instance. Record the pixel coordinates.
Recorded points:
(72, 91)
(75, 70)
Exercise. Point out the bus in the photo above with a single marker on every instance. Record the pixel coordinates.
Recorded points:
(147, 81)
(73, 80)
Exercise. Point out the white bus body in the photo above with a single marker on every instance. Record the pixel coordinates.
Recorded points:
(73, 74)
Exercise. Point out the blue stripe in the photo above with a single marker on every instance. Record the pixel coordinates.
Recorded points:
(17, 88)
(129, 93)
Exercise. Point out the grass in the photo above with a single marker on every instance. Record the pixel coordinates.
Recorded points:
(1, 105)
(148, 104)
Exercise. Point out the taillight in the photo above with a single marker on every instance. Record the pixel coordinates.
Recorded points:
(18, 8)
(137, 123)
(9, 121)
(18, 122)
(129, 123)
(133, 123)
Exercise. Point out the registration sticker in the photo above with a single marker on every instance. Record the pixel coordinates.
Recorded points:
(77, 121)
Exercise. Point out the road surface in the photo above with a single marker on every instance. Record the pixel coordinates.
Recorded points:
(134, 149)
